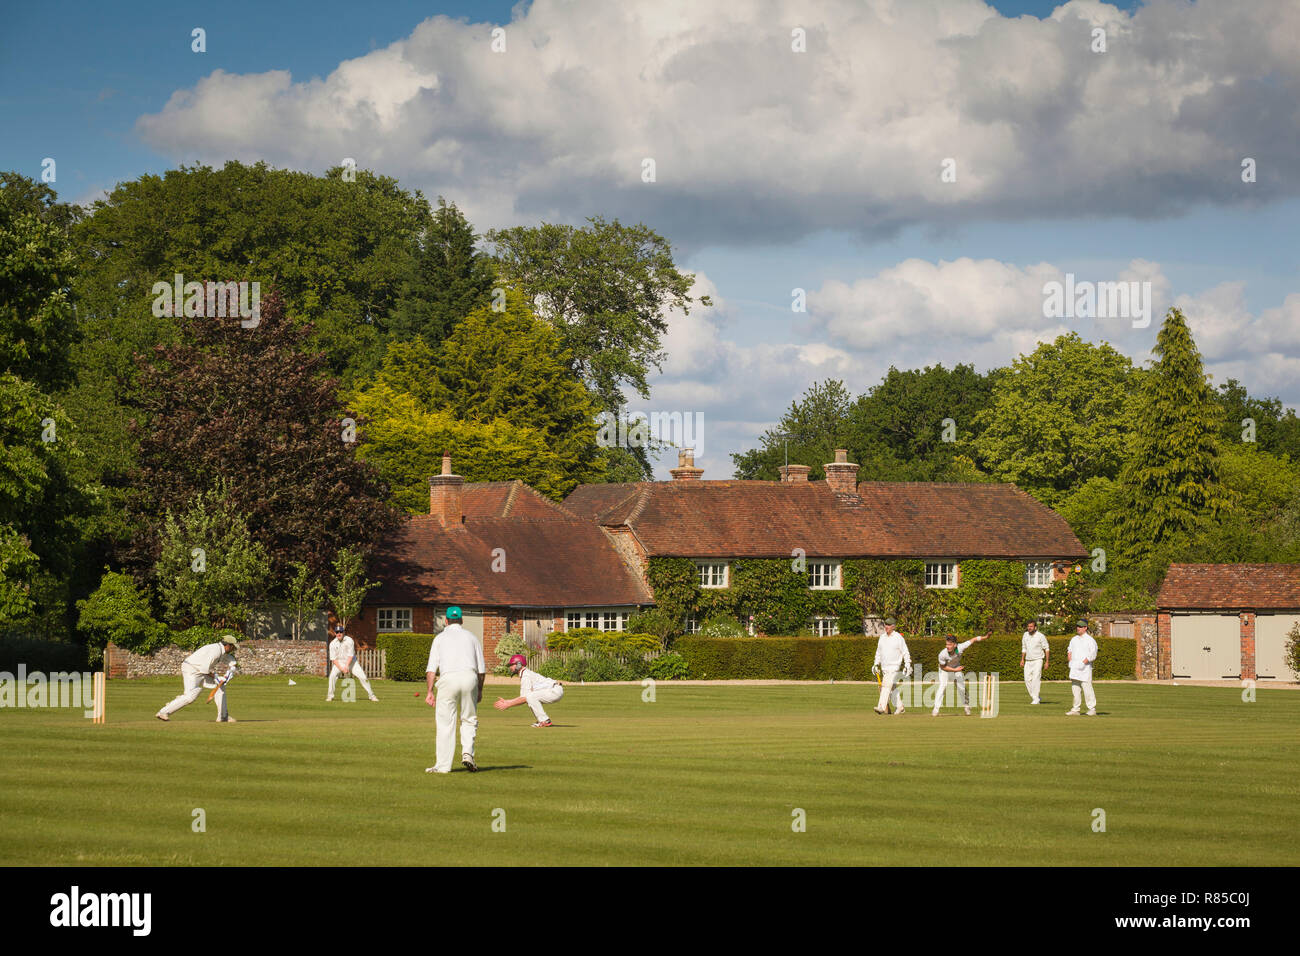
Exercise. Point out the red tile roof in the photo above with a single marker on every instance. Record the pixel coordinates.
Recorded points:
(884, 519)
(552, 558)
(1231, 587)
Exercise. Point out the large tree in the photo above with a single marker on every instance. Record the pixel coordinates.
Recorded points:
(36, 274)
(251, 407)
(1060, 416)
(337, 247)
(42, 499)
(1259, 421)
(1172, 476)
(499, 395)
(607, 289)
(449, 279)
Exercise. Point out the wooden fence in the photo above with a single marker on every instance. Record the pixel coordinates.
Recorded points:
(374, 661)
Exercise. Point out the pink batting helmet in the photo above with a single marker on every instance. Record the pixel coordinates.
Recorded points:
(518, 659)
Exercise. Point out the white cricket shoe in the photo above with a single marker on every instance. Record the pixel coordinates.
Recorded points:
(467, 760)
(1072, 713)
(435, 770)
(878, 710)
(374, 700)
(328, 699)
(1035, 701)
(901, 710)
(161, 716)
(1092, 713)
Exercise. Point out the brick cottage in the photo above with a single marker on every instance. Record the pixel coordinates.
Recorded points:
(514, 560)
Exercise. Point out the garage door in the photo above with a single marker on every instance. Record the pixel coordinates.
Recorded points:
(1271, 634)
(1205, 646)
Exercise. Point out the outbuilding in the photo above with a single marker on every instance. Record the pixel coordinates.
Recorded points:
(1227, 621)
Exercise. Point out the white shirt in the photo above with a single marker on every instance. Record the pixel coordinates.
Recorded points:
(1033, 646)
(454, 650)
(1082, 646)
(953, 658)
(530, 681)
(342, 649)
(891, 650)
(208, 657)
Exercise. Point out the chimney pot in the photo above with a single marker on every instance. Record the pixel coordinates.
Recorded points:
(841, 454)
(791, 473)
(686, 470)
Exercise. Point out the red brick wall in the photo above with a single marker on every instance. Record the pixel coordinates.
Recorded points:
(1165, 665)
(1248, 645)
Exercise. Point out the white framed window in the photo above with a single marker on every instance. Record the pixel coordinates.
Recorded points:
(1038, 574)
(826, 626)
(824, 575)
(692, 625)
(713, 574)
(600, 619)
(394, 619)
(940, 574)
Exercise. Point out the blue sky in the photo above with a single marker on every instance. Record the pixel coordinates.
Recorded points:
(776, 171)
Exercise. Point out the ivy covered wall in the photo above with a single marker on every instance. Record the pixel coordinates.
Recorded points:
(990, 595)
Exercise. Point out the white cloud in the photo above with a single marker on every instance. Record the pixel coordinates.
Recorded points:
(755, 142)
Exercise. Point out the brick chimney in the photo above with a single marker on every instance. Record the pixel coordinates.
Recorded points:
(445, 495)
(842, 474)
(795, 472)
(686, 470)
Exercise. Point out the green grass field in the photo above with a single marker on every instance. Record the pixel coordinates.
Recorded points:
(704, 775)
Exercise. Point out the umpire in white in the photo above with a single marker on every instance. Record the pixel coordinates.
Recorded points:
(201, 670)
(456, 657)
(1035, 657)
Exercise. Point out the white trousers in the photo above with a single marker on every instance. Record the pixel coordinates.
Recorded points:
(195, 684)
(455, 694)
(538, 697)
(890, 688)
(357, 672)
(946, 678)
(1034, 677)
(1085, 686)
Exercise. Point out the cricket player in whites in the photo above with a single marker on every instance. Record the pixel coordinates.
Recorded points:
(951, 671)
(1082, 651)
(457, 658)
(343, 657)
(534, 690)
(200, 670)
(893, 656)
(1035, 655)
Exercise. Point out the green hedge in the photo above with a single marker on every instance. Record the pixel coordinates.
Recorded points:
(408, 654)
(849, 658)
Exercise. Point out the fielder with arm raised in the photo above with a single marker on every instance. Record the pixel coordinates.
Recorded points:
(892, 656)
(951, 671)
(534, 689)
(1035, 655)
(1081, 653)
(200, 670)
(343, 657)
(457, 658)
